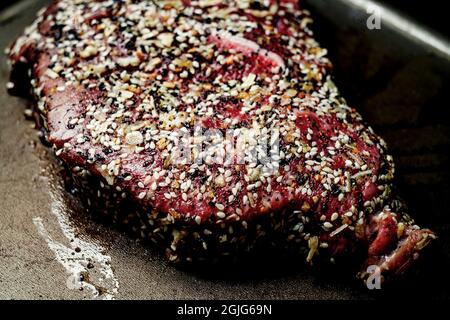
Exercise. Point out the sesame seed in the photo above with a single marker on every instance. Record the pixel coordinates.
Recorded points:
(334, 216)
(134, 138)
(327, 225)
(142, 195)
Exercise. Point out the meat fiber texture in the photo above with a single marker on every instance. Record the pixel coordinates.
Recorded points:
(123, 86)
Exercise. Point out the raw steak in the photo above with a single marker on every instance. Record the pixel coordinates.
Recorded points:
(122, 87)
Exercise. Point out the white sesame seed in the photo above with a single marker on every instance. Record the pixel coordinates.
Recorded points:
(142, 195)
(134, 138)
(334, 216)
(327, 225)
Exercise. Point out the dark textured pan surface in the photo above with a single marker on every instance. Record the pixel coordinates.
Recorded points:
(402, 89)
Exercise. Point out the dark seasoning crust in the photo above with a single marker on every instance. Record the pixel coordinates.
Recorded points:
(116, 80)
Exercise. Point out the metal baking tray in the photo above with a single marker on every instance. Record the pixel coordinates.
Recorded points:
(398, 77)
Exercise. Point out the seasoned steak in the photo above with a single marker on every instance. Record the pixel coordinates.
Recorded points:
(217, 124)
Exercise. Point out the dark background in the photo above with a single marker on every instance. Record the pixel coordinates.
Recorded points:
(432, 13)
